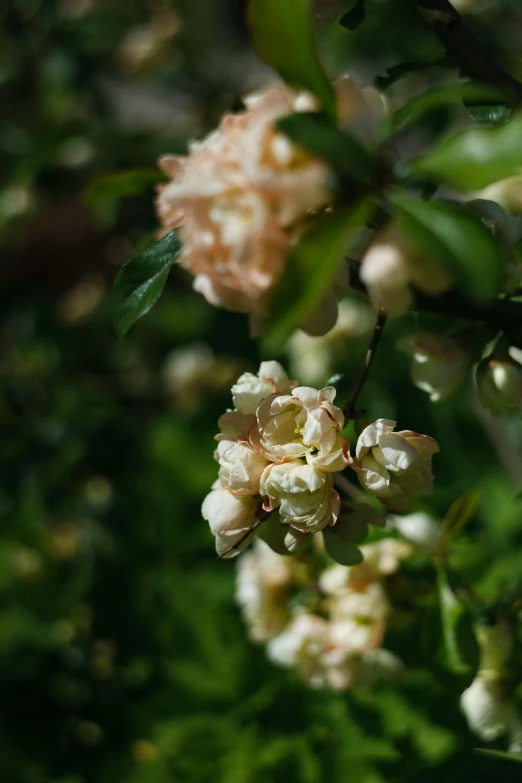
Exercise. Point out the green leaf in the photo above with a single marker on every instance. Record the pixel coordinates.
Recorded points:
(500, 754)
(489, 114)
(340, 545)
(317, 134)
(355, 16)
(309, 270)
(140, 282)
(451, 610)
(283, 35)
(442, 97)
(458, 240)
(122, 184)
(474, 159)
(459, 514)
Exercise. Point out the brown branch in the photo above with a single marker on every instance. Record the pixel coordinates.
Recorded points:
(349, 408)
(243, 538)
(472, 57)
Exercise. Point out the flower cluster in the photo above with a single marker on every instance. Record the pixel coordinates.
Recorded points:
(242, 196)
(332, 635)
(277, 452)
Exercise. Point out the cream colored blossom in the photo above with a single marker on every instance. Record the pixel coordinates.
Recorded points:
(391, 265)
(229, 517)
(300, 644)
(304, 496)
(239, 197)
(262, 581)
(250, 389)
(243, 194)
(489, 715)
(240, 467)
(439, 364)
(394, 465)
(358, 618)
(419, 528)
(303, 423)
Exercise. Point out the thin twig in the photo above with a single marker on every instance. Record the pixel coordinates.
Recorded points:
(472, 57)
(243, 538)
(349, 408)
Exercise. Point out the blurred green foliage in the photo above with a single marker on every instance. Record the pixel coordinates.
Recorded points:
(122, 656)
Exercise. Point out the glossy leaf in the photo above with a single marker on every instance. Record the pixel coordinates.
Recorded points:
(309, 271)
(122, 184)
(456, 239)
(317, 134)
(283, 35)
(476, 158)
(140, 282)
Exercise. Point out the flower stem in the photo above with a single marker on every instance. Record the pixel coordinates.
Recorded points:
(349, 408)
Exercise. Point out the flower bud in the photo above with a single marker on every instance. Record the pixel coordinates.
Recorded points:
(394, 466)
(499, 385)
(439, 364)
(229, 517)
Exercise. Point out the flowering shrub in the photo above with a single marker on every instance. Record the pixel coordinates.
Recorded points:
(318, 189)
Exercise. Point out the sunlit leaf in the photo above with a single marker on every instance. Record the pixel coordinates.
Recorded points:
(317, 134)
(476, 158)
(140, 282)
(457, 240)
(283, 35)
(309, 270)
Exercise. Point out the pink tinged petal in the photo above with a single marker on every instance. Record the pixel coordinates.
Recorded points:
(425, 444)
(395, 453)
(274, 372)
(308, 396)
(371, 435)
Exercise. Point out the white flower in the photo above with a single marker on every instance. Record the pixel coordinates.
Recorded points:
(358, 618)
(301, 643)
(488, 715)
(229, 517)
(394, 465)
(391, 265)
(419, 528)
(240, 467)
(384, 556)
(439, 364)
(249, 389)
(303, 423)
(303, 495)
(261, 583)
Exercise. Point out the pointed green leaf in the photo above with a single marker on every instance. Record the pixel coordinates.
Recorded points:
(309, 271)
(458, 240)
(282, 33)
(451, 610)
(459, 514)
(441, 97)
(475, 158)
(140, 281)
